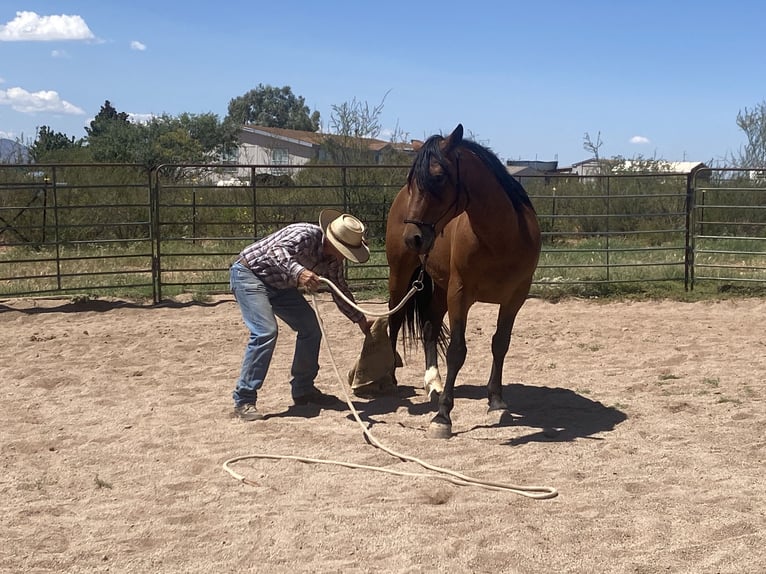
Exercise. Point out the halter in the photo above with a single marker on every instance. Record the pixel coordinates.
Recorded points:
(454, 204)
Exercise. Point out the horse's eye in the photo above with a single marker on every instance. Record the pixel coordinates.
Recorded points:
(437, 182)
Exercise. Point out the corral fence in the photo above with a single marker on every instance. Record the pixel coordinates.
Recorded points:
(127, 230)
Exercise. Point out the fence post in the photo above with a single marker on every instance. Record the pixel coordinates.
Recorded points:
(45, 210)
(154, 227)
(254, 195)
(689, 235)
(608, 227)
(57, 230)
(344, 183)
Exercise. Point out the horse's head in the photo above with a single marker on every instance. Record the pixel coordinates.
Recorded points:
(434, 190)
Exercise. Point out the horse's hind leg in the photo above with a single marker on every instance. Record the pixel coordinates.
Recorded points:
(501, 341)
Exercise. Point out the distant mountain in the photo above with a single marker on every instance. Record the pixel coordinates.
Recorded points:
(13, 152)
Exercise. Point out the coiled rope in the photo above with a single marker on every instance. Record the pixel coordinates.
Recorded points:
(536, 492)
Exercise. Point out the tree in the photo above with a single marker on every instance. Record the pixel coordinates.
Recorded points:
(218, 139)
(49, 145)
(112, 137)
(272, 107)
(352, 125)
(106, 119)
(187, 138)
(593, 146)
(368, 192)
(753, 123)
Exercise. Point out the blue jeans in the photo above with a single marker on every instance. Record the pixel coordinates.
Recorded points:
(260, 304)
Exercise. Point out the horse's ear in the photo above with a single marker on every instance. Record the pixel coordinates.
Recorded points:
(455, 137)
(416, 144)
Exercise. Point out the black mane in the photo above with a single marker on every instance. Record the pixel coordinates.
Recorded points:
(431, 152)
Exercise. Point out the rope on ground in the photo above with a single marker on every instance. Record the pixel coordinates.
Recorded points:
(535, 492)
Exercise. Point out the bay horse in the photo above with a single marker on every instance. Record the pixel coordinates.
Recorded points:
(467, 231)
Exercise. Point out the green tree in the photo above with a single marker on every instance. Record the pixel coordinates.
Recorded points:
(112, 137)
(187, 138)
(50, 146)
(272, 107)
(105, 120)
(218, 139)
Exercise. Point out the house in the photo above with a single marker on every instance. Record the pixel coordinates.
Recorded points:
(275, 147)
(524, 167)
(593, 166)
(527, 171)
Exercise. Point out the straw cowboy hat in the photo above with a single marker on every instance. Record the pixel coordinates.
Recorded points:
(346, 233)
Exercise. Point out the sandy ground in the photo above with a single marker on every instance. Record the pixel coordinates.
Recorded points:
(115, 423)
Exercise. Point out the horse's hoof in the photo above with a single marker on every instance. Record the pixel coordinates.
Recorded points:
(439, 430)
(433, 396)
(497, 406)
(495, 416)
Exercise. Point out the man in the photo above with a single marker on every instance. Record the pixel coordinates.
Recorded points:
(266, 280)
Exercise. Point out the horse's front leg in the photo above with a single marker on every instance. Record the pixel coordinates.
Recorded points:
(441, 424)
(432, 338)
(432, 380)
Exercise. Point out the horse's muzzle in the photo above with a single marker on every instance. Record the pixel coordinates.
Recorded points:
(419, 238)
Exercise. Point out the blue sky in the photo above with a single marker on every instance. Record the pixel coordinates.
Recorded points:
(661, 79)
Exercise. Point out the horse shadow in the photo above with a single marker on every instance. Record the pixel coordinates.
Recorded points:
(558, 414)
(553, 414)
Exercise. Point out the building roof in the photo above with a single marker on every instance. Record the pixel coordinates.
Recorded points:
(657, 166)
(638, 166)
(314, 138)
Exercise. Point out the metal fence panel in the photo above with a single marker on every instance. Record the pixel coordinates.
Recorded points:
(75, 228)
(121, 229)
(729, 238)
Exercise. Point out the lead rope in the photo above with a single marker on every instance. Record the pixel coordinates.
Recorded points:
(417, 285)
(536, 492)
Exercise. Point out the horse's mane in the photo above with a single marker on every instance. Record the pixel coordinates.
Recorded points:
(431, 152)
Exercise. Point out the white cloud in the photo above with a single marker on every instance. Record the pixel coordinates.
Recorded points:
(59, 54)
(141, 118)
(136, 45)
(639, 140)
(29, 26)
(26, 102)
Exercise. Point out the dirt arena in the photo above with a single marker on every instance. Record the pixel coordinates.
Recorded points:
(115, 423)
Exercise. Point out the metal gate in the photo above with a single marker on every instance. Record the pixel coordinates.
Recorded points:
(729, 227)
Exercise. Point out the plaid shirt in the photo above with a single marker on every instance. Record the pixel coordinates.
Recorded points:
(278, 259)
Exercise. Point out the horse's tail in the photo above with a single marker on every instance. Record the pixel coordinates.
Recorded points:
(417, 323)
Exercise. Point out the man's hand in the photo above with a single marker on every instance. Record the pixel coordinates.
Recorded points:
(308, 280)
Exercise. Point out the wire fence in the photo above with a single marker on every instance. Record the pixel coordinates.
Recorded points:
(124, 229)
